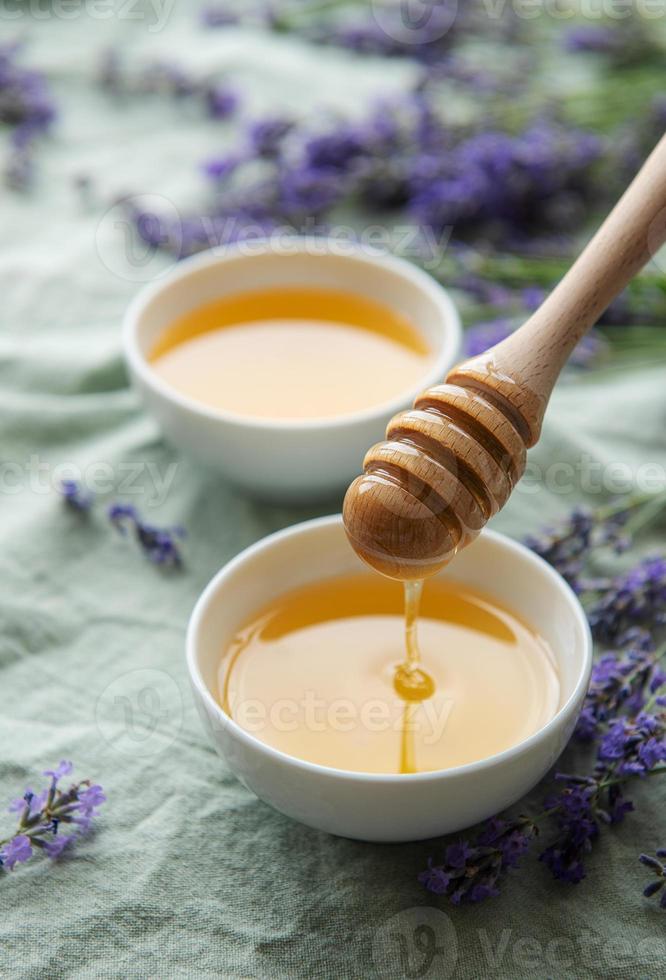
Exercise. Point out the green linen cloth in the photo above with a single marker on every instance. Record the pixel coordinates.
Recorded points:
(188, 875)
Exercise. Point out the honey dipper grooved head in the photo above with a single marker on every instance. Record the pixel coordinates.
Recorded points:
(447, 466)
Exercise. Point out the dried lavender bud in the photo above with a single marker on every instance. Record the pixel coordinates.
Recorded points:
(630, 748)
(75, 497)
(216, 15)
(470, 872)
(158, 544)
(218, 98)
(43, 817)
(482, 336)
(658, 866)
(621, 681)
(566, 546)
(27, 107)
(599, 38)
(634, 747)
(636, 598)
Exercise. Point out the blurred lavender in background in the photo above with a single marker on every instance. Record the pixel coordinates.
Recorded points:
(498, 169)
(27, 108)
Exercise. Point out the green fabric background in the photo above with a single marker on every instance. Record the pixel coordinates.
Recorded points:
(188, 875)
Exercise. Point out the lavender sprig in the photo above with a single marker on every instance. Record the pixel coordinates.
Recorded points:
(638, 595)
(402, 155)
(43, 816)
(621, 681)
(27, 107)
(624, 711)
(567, 545)
(158, 544)
(217, 96)
(658, 867)
(75, 497)
(472, 870)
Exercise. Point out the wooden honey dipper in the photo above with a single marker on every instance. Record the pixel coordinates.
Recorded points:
(450, 463)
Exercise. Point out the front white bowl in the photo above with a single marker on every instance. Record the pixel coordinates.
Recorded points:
(380, 807)
(275, 459)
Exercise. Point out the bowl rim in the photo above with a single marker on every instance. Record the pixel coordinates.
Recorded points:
(445, 355)
(558, 720)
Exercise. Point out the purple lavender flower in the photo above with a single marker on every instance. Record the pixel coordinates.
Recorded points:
(221, 101)
(221, 167)
(266, 136)
(62, 769)
(218, 98)
(30, 803)
(658, 866)
(629, 748)
(566, 547)
(635, 598)
(627, 679)
(578, 827)
(158, 544)
(401, 155)
(482, 336)
(303, 192)
(426, 41)
(41, 817)
(16, 851)
(336, 150)
(599, 38)
(75, 497)
(533, 297)
(55, 847)
(91, 798)
(634, 746)
(492, 176)
(27, 107)
(471, 871)
(218, 15)
(621, 680)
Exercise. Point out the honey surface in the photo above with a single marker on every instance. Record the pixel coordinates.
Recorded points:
(314, 675)
(291, 354)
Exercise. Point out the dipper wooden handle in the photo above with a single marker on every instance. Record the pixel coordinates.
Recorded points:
(451, 462)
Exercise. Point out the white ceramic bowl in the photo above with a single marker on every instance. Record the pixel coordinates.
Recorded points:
(277, 459)
(380, 807)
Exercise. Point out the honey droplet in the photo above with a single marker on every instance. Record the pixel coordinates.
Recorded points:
(413, 684)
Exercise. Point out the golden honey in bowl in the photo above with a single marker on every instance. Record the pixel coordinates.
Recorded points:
(292, 353)
(321, 674)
